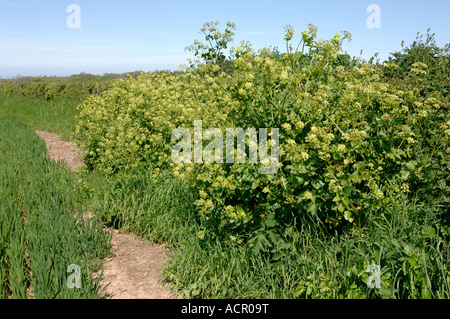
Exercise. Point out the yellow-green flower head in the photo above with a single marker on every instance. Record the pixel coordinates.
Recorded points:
(289, 32)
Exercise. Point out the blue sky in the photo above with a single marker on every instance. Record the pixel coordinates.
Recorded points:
(123, 36)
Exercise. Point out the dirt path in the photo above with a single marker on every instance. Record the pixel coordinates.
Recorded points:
(61, 150)
(134, 272)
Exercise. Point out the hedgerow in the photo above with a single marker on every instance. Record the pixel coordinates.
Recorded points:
(350, 142)
(132, 123)
(360, 145)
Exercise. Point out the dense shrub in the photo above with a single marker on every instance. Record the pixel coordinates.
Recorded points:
(426, 59)
(132, 123)
(363, 157)
(350, 142)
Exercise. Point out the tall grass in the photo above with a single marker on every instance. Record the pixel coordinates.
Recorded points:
(55, 116)
(159, 209)
(42, 229)
(319, 266)
(410, 246)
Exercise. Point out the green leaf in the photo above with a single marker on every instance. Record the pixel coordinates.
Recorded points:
(411, 166)
(278, 256)
(348, 190)
(317, 184)
(313, 208)
(302, 169)
(345, 201)
(404, 175)
(426, 293)
(355, 177)
(348, 216)
(412, 261)
(201, 234)
(398, 153)
(270, 220)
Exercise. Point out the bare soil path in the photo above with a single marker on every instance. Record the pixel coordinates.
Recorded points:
(134, 271)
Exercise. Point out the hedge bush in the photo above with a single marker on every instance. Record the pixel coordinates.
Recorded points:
(350, 140)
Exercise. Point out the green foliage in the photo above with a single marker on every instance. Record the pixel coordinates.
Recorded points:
(425, 58)
(306, 263)
(217, 42)
(57, 116)
(350, 141)
(42, 230)
(349, 144)
(159, 209)
(412, 261)
(362, 178)
(49, 103)
(132, 123)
